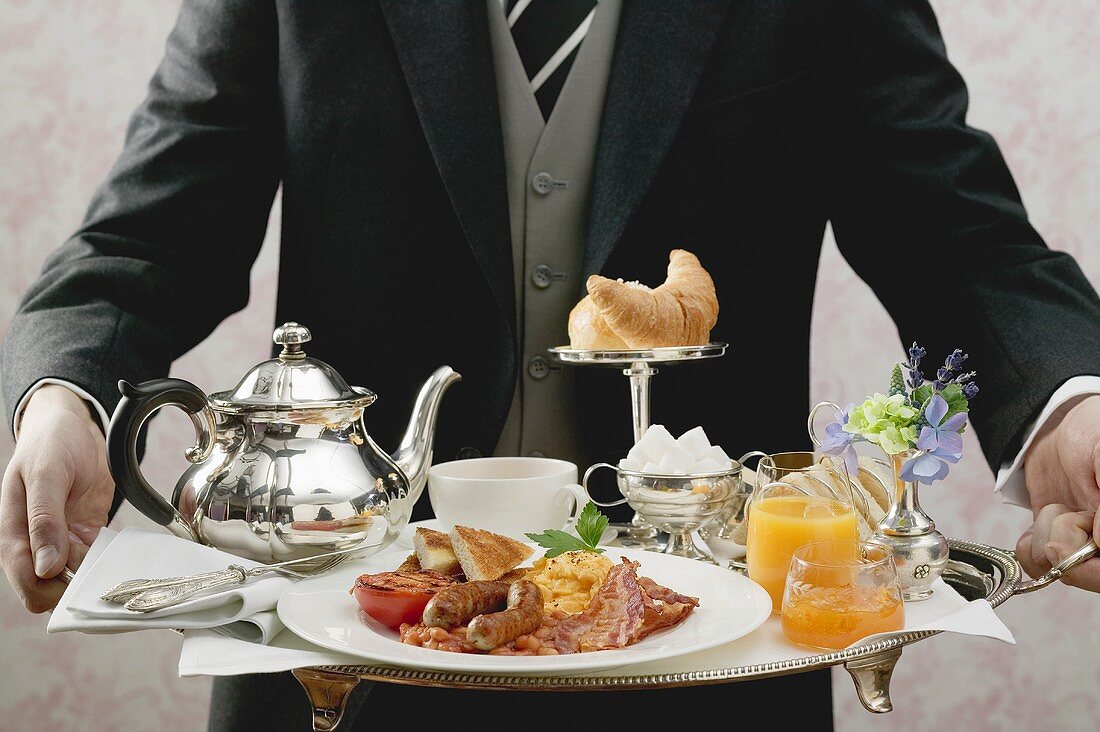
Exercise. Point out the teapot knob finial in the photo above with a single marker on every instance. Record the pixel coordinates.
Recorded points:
(291, 336)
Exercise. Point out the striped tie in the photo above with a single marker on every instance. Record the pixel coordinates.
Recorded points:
(547, 35)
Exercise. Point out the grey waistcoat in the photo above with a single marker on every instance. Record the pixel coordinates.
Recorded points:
(549, 170)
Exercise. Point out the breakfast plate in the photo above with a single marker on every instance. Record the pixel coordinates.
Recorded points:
(321, 611)
(405, 538)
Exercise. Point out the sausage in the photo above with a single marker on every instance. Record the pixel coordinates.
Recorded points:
(452, 606)
(523, 616)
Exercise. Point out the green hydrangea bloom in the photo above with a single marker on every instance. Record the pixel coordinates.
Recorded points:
(887, 421)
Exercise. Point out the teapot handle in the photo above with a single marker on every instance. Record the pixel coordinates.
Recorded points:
(136, 406)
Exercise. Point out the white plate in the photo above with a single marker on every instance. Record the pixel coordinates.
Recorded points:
(321, 611)
(405, 538)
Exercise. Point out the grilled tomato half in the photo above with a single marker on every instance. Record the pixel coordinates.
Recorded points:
(398, 597)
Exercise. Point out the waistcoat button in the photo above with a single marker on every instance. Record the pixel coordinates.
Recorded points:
(538, 367)
(542, 276)
(544, 183)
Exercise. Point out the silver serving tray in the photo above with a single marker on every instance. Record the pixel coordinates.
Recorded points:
(975, 570)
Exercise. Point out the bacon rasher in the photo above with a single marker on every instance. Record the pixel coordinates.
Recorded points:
(625, 609)
(663, 607)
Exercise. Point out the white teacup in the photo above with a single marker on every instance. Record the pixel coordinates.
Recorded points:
(506, 495)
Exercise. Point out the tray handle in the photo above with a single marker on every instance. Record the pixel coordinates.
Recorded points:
(872, 679)
(1085, 553)
(328, 693)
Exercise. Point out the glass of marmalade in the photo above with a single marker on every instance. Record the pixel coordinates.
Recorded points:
(838, 592)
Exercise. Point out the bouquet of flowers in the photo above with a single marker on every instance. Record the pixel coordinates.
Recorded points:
(921, 418)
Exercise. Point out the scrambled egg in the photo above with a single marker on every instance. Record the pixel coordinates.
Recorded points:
(570, 580)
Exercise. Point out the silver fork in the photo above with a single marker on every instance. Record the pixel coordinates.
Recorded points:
(147, 595)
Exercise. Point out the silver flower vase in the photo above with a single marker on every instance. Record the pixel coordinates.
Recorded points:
(920, 551)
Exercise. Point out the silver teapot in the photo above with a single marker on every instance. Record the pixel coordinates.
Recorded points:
(283, 467)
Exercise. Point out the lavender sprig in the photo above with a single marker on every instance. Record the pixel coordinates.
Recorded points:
(947, 373)
(963, 378)
(955, 361)
(916, 376)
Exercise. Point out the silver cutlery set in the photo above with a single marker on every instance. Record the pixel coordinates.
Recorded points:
(147, 595)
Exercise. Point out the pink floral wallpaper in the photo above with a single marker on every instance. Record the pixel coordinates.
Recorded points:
(72, 70)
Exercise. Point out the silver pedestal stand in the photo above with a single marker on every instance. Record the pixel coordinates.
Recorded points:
(639, 365)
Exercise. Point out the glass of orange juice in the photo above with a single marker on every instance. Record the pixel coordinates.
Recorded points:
(802, 498)
(840, 591)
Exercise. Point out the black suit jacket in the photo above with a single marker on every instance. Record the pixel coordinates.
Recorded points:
(734, 129)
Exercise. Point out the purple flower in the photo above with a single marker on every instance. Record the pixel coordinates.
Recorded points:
(938, 436)
(925, 468)
(940, 443)
(916, 377)
(950, 457)
(955, 361)
(916, 353)
(970, 390)
(949, 372)
(838, 442)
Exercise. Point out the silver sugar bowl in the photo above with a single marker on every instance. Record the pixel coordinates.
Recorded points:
(675, 504)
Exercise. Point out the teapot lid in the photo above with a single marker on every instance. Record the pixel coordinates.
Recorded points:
(291, 381)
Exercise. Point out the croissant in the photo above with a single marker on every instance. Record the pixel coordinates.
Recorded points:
(618, 315)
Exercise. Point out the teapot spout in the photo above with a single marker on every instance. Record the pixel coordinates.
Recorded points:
(414, 455)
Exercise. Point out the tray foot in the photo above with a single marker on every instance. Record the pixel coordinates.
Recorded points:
(872, 679)
(328, 693)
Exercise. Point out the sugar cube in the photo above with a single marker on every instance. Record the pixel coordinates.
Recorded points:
(681, 455)
(656, 441)
(719, 455)
(709, 465)
(677, 461)
(638, 454)
(694, 441)
(651, 468)
(629, 463)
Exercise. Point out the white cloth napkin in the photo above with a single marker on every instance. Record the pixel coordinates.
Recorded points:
(207, 653)
(243, 611)
(947, 610)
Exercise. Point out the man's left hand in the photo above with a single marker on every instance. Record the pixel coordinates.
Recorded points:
(1062, 471)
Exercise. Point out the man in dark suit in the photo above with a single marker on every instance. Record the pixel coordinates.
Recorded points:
(452, 172)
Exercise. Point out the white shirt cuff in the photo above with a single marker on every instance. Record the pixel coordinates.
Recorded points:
(1010, 478)
(104, 420)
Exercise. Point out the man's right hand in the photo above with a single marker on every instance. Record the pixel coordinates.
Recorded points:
(56, 495)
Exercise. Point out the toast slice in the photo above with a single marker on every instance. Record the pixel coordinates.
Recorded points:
(485, 555)
(878, 480)
(411, 564)
(433, 549)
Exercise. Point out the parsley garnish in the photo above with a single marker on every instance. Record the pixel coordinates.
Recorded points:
(590, 526)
